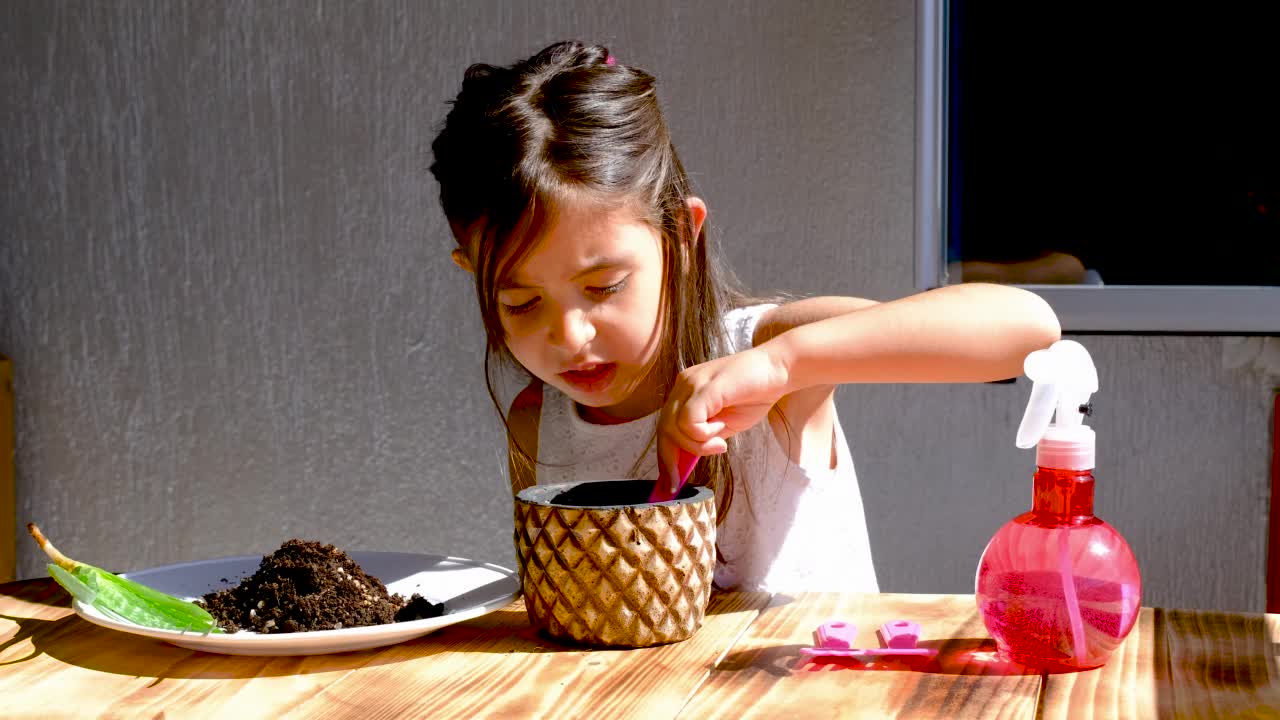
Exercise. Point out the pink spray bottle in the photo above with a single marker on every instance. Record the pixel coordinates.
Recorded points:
(1058, 588)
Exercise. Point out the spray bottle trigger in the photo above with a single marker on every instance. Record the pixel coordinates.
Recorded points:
(1040, 409)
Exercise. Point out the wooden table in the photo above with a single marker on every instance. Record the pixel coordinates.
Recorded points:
(744, 662)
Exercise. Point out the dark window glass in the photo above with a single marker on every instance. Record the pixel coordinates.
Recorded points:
(1121, 145)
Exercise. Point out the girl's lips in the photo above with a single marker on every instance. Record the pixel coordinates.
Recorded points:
(591, 380)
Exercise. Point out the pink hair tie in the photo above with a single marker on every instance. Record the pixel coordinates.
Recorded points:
(609, 60)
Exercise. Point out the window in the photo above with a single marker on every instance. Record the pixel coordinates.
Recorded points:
(1121, 162)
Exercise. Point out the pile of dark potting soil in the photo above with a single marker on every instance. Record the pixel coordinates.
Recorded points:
(307, 586)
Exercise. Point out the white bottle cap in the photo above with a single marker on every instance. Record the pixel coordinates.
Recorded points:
(1067, 448)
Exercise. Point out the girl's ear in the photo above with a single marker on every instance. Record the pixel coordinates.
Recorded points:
(461, 260)
(697, 214)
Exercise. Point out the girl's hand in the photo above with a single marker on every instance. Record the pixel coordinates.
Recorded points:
(717, 400)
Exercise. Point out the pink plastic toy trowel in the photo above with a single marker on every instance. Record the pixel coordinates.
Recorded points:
(662, 488)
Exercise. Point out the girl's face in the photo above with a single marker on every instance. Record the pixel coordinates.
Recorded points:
(582, 310)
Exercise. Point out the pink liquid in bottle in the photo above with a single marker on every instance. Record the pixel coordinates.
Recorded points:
(1058, 588)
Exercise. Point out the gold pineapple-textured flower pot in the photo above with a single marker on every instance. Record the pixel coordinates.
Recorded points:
(601, 566)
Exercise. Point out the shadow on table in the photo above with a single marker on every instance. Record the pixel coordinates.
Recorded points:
(74, 641)
(42, 591)
(29, 629)
(748, 602)
(505, 632)
(958, 656)
(1214, 664)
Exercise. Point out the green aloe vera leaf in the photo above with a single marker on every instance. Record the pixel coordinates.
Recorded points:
(121, 598)
(71, 584)
(182, 614)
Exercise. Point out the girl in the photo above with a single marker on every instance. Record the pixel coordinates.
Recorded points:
(595, 274)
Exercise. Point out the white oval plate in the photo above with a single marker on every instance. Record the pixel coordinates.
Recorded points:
(468, 588)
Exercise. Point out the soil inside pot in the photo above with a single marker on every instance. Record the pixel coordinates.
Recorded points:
(305, 586)
(608, 493)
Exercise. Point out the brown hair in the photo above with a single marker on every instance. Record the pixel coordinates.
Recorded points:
(568, 124)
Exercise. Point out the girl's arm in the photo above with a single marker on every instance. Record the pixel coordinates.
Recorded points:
(971, 332)
(960, 333)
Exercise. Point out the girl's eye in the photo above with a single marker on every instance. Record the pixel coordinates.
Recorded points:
(520, 309)
(609, 289)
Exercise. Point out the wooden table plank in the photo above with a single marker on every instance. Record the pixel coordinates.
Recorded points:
(765, 675)
(498, 666)
(57, 665)
(61, 666)
(53, 664)
(743, 662)
(1123, 688)
(38, 652)
(1178, 663)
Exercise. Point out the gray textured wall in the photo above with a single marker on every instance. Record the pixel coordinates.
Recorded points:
(224, 284)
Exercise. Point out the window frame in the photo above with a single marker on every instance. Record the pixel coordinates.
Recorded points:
(1130, 309)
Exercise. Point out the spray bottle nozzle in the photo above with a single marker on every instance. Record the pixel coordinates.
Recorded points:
(1063, 378)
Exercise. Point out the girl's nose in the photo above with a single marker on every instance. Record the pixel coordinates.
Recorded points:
(572, 329)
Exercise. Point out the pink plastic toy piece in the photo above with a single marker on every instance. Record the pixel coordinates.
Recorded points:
(662, 488)
(835, 639)
(835, 635)
(900, 634)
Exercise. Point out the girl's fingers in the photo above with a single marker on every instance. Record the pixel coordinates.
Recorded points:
(710, 446)
(706, 430)
(684, 424)
(669, 446)
(670, 461)
(714, 446)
